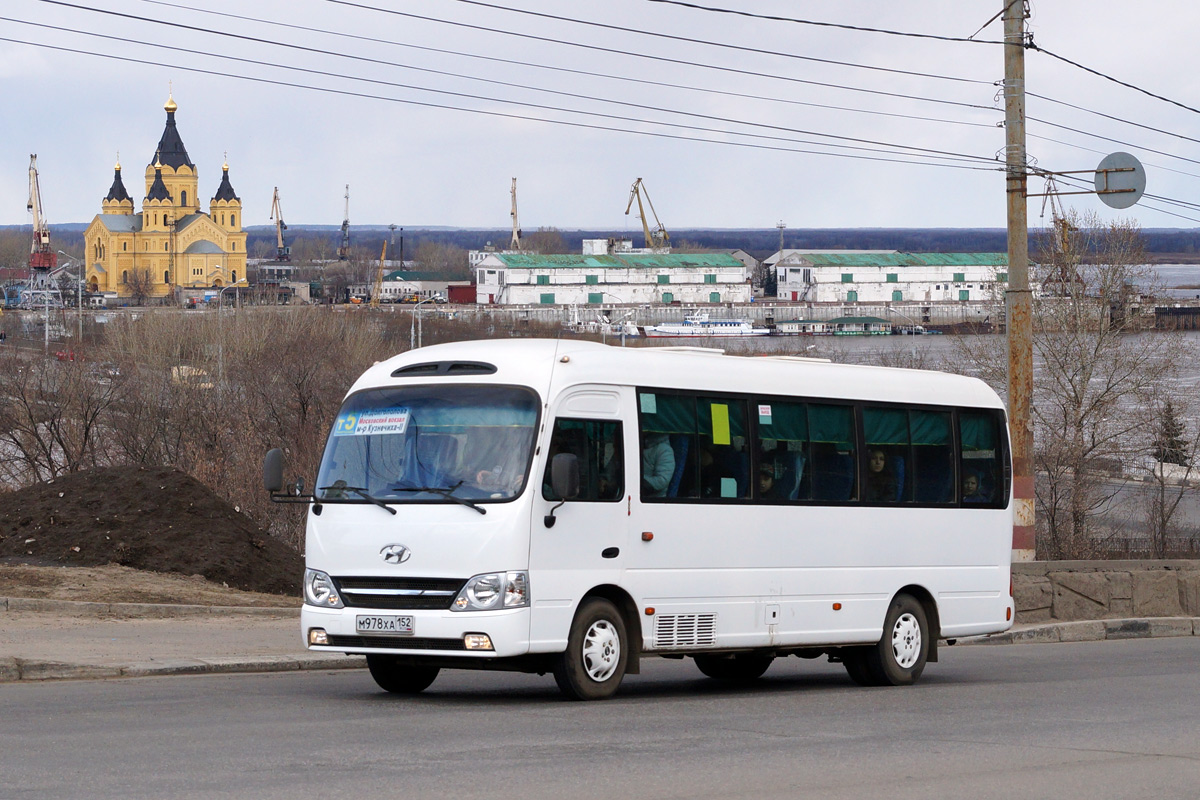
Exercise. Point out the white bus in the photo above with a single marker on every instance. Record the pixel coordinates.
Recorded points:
(572, 508)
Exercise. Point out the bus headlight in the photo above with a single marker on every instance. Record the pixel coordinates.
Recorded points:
(494, 590)
(319, 590)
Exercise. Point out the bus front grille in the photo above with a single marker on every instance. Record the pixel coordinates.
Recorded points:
(685, 630)
(396, 642)
(399, 593)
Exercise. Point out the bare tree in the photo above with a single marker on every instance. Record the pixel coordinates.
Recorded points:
(1096, 366)
(546, 241)
(138, 284)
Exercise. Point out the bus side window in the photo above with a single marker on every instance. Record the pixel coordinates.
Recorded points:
(693, 446)
(933, 457)
(831, 431)
(981, 475)
(597, 446)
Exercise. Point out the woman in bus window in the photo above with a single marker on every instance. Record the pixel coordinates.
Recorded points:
(881, 481)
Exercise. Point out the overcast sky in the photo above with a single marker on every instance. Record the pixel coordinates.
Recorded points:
(416, 165)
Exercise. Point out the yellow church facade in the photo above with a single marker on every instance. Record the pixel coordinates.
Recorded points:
(170, 245)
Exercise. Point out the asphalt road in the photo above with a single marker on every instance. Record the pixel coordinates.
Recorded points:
(1096, 720)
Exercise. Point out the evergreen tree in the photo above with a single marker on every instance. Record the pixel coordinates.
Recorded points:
(1169, 445)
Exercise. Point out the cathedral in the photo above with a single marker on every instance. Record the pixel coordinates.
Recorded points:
(170, 246)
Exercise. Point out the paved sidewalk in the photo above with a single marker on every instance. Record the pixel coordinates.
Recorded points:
(57, 639)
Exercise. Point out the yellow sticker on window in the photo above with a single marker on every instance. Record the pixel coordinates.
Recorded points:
(720, 421)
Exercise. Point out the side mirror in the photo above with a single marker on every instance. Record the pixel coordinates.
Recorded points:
(564, 481)
(273, 471)
(564, 476)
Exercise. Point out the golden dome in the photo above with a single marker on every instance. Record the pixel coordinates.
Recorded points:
(170, 106)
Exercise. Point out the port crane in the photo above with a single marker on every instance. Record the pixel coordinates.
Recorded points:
(343, 252)
(282, 251)
(377, 289)
(42, 257)
(515, 244)
(658, 237)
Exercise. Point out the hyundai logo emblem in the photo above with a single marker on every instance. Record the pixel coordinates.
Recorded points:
(395, 554)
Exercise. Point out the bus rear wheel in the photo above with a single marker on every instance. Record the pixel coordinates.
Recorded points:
(899, 657)
(397, 678)
(597, 651)
(738, 668)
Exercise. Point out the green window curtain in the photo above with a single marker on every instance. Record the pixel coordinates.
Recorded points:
(977, 432)
(960, 277)
(668, 298)
(832, 424)
(547, 298)
(710, 278)
(885, 426)
(930, 427)
(591, 280)
(897, 296)
(851, 297)
(714, 297)
(893, 277)
(786, 422)
(543, 280)
(595, 297)
(847, 277)
(664, 278)
(964, 294)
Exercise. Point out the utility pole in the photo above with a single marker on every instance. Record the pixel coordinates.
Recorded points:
(1018, 298)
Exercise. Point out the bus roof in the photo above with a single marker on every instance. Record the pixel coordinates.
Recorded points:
(531, 362)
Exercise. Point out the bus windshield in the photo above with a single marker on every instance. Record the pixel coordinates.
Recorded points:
(430, 444)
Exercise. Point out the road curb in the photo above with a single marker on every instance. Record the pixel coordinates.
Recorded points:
(78, 608)
(22, 669)
(1094, 631)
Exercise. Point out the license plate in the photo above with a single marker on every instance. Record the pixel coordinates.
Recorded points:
(385, 625)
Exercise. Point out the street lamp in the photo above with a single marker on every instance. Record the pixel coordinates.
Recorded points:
(220, 328)
(624, 319)
(78, 295)
(415, 328)
(915, 324)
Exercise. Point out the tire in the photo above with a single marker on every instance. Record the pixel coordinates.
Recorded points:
(597, 651)
(899, 658)
(738, 668)
(856, 660)
(398, 678)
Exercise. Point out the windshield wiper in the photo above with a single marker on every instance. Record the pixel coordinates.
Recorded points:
(446, 492)
(361, 492)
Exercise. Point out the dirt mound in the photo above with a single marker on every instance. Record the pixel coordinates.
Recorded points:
(149, 518)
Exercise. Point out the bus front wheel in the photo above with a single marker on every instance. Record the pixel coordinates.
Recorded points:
(597, 651)
(398, 678)
(900, 656)
(738, 668)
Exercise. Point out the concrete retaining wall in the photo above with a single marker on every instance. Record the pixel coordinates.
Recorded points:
(1091, 590)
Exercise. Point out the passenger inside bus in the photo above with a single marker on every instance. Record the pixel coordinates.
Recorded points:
(972, 491)
(883, 484)
(658, 465)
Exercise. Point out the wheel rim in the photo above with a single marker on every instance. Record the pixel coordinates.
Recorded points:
(601, 650)
(906, 640)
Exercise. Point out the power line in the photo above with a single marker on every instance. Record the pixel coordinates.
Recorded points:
(1109, 139)
(1100, 74)
(1113, 117)
(1105, 152)
(660, 59)
(858, 28)
(569, 70)
(500, 114)
(540, 106)
(690, 40)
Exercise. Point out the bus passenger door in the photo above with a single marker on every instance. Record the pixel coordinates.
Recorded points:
(585, 545)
